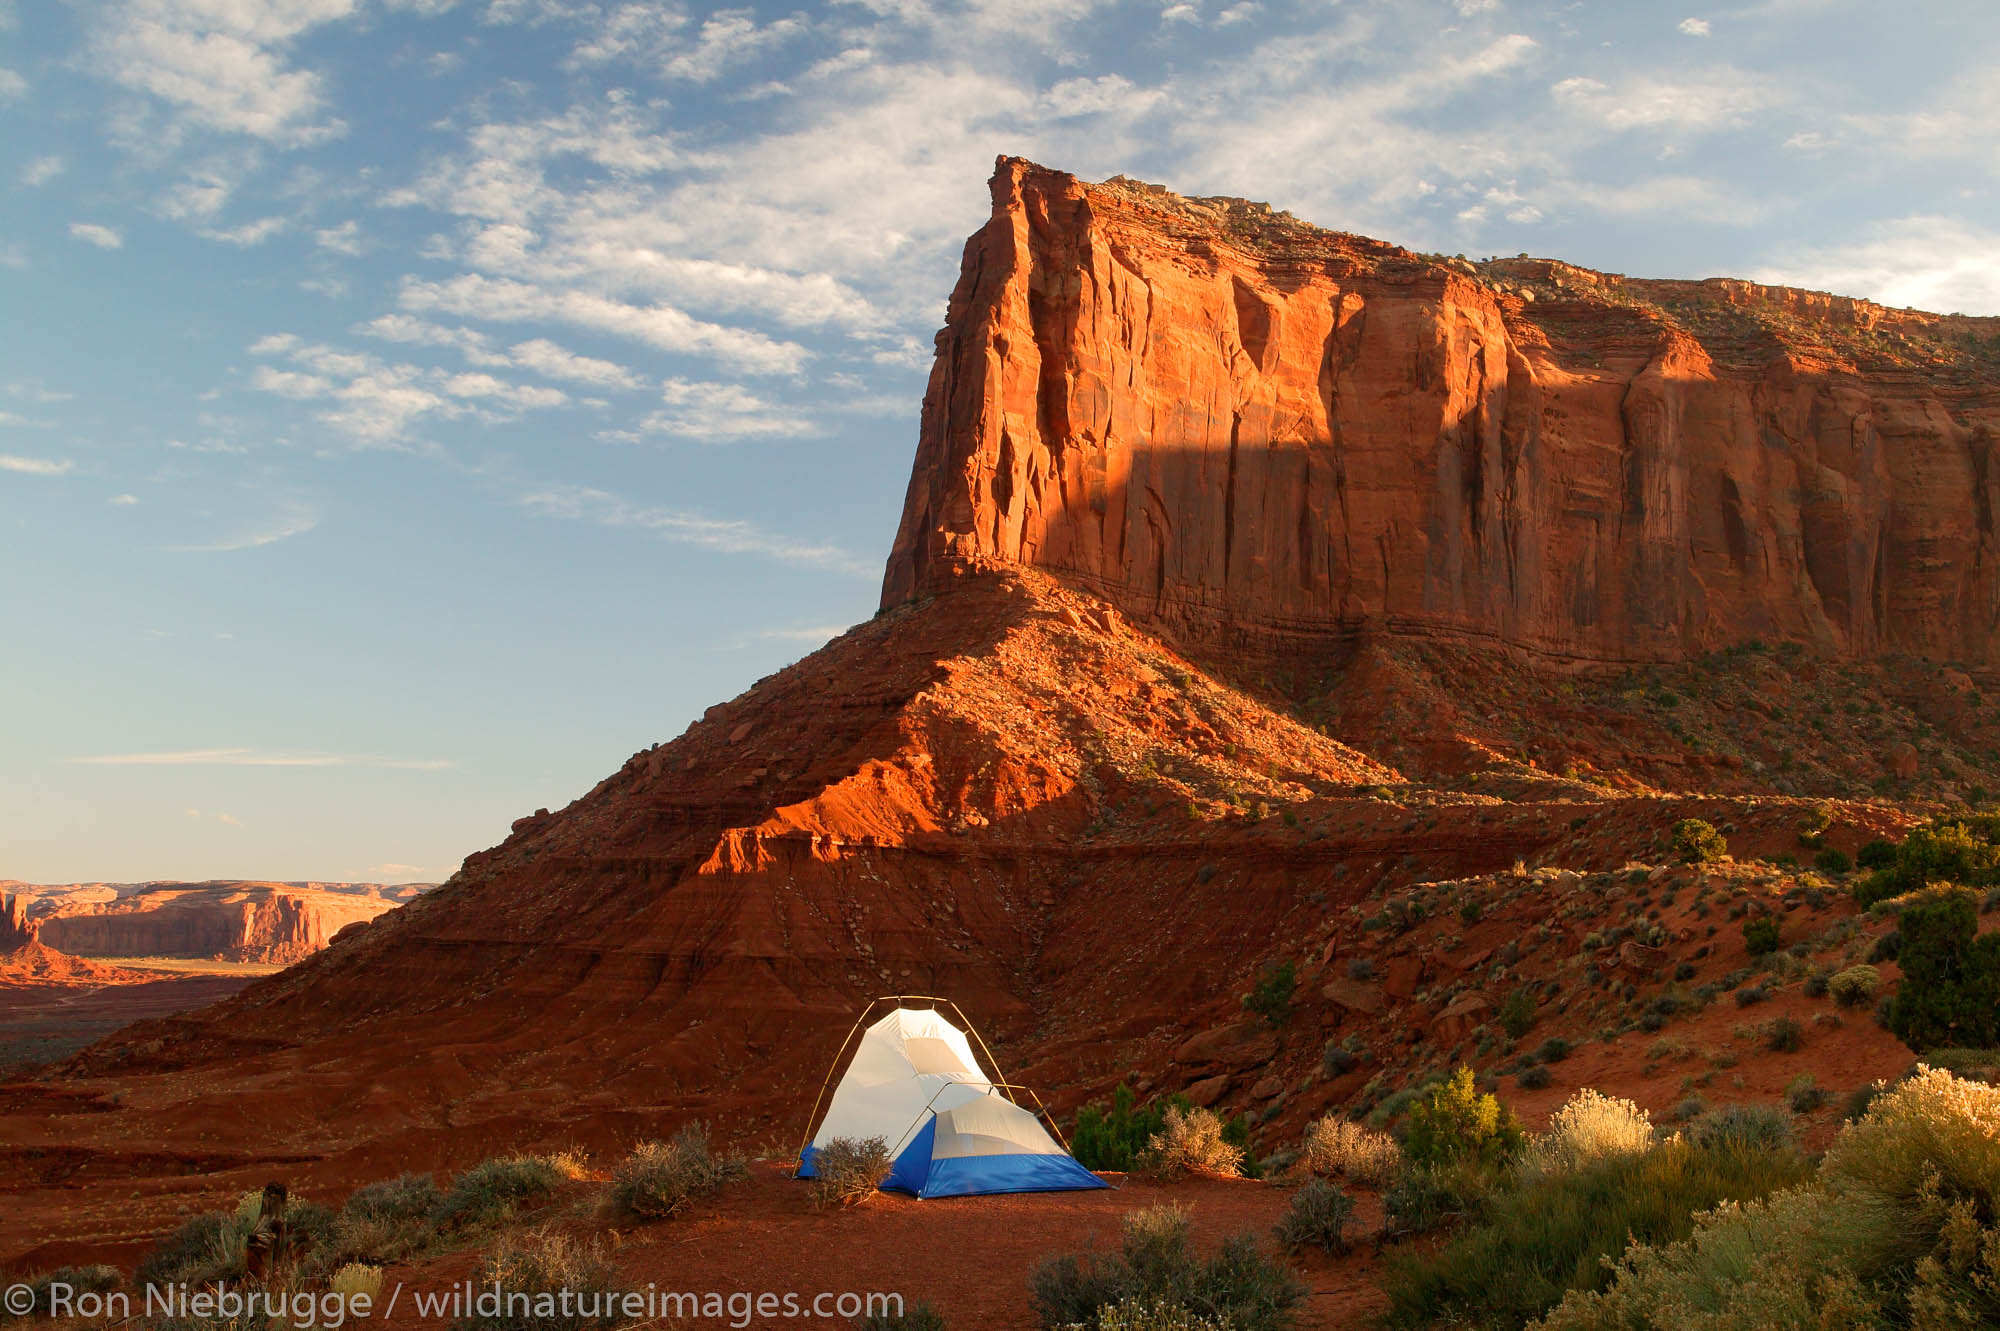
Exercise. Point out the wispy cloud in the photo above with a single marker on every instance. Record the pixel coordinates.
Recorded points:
(12, 86)
(1936, 263)
(223, 66)
(91, 233)
(246, 757)
(41, 170)
(503, 300)
(291, 518)
(35, 466)
(727, 535)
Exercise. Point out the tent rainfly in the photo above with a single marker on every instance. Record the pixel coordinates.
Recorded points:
(914, 1083)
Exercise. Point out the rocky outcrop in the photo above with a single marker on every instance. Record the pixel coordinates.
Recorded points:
(256, 922)
(15, 930)
(1232, 423)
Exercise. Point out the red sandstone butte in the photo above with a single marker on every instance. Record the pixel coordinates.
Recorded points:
(1222, 419)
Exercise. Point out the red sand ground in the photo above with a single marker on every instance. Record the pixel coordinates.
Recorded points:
(969, 1257)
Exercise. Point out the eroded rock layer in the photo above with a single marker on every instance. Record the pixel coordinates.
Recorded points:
(1225, 420)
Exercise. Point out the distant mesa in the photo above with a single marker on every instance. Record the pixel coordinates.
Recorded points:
(1235, 425)
(255, 922)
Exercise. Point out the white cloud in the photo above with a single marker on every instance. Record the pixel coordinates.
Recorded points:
(1701, 102)
(12, 86)
(246, 757)
(250, 233)
(727, 38)
(14, 420)
(35, 466)
(290, 383)
(716, 411)
(288, 519)
(502, 300)
(123, 501)
(342, 239)
(726, 535)
(41, 170)
(1943, 264)
(555, 362)
(92, 234)
(1694, 27)
(221, 64)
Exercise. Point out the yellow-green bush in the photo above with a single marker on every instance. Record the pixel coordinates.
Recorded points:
(1191, 1142)
(1337, 1145)
(1901, 1228)
(1589, 1127)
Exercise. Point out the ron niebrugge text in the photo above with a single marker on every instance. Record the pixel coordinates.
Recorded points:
(306, 1310)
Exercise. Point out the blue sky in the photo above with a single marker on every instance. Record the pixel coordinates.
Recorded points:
(409, 408)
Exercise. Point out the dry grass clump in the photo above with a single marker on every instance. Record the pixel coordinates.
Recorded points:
(1337, 1145)
(1901, 1228)
(1190, 1142)
(1589, 1127)
(661, 1179)
(849, 1171)
(547, 1282)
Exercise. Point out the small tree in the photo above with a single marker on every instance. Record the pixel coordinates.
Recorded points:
(1950, 993)
(1271, 997)
(1517, 1013)
(1454, 1122)
(1760, 935)
(1697, 842)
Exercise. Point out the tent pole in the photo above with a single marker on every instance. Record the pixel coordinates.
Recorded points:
(1000, 1078)
(827, 1080)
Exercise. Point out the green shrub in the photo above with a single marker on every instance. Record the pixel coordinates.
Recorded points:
(919, 1316)
(1424, 1197)
(1749, 1127)
(1157, 1267)
(1900, 1229)
(1950, 994)
(1271, 997)
(1517, 1013)
(1833, 860)
(1760, 935)
(1553, 1050)
(1556, 1231)
(205, 1249)
(1116, 1139)
(662, 1179)
(497, 1189)
(1855, 986)
(1191, 1141)
(1877, 854)
(1534, 1077)
(1783, 1035)
(1144, 1315)
(79, 1279)
(1697, 842)
(385, 1221)
(1337, 1145)
(547, 1282)
(1804, 1094)
(847, 1171)
(1453, 1122)
(1317, 1218)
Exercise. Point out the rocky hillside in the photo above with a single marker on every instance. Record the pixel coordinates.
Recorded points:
(1233, 424)
(1265, 597)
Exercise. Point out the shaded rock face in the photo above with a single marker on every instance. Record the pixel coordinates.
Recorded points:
(1226, 421)
(226, 922)
(15, 930)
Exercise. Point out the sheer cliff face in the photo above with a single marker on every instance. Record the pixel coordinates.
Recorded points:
(1227, 421)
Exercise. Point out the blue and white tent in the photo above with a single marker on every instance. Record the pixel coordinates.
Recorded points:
(915, 1083)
